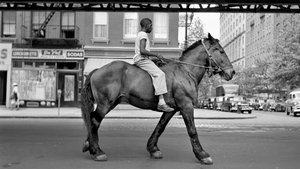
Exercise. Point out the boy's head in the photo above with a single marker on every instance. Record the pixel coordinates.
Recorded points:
(146, 25)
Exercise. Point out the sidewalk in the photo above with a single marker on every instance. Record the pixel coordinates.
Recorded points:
(120, 112)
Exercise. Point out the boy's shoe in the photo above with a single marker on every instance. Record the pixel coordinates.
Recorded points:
(164, 108)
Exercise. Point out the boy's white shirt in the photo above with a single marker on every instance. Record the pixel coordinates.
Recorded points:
(141, 35)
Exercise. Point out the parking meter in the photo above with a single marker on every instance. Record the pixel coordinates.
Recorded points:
(59, 98)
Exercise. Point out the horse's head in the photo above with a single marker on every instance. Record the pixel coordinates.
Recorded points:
(218, 59)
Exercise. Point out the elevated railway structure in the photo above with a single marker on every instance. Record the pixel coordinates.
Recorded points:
(261, 6)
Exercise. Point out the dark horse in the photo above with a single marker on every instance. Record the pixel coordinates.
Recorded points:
(118, 81)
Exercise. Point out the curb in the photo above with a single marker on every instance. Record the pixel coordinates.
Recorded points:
(120, 117)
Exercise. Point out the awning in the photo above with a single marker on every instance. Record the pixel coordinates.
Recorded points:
(94, 63)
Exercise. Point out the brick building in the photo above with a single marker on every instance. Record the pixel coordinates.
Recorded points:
(50, 51)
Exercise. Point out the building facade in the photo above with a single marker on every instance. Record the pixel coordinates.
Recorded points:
(263, 31)
(233, 37)
(51, 51)
(111, 36)
(260, 37)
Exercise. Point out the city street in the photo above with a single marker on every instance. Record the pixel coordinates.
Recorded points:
(270, 141)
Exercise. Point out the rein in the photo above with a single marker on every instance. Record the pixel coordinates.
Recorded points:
(209, 68)
(186, 63)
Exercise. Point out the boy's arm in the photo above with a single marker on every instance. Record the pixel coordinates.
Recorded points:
(145, 52)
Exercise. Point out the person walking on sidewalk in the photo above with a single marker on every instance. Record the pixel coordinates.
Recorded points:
(142, 60)
(15, 97)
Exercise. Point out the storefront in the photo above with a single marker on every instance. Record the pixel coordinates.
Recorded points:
(42, 74)
(5, 67)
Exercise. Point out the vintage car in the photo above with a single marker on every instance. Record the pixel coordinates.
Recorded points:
(204, 104)
(293, 103)
(236, 104)
(280, 107)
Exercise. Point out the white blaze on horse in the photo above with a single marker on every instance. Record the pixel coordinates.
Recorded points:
(119, 81)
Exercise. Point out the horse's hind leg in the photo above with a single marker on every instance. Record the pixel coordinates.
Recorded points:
(159, 129)
(91, 143)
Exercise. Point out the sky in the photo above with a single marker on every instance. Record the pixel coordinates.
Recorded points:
(211, 23)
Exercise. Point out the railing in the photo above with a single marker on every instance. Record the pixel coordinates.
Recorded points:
(51, 32)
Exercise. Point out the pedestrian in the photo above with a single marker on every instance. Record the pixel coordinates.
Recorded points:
(15, 97)
(142, 60)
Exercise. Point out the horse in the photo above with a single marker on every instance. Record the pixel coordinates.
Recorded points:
(120, 81)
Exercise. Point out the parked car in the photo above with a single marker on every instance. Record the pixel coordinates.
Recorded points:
(293, 103)
(280, 107)
(261, 104)
(204, 104)
(236, 104)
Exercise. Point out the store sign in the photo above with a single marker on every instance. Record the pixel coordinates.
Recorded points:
(48, 54)
(52, 53)
(5, 55)
(25, 54)
(75, 54)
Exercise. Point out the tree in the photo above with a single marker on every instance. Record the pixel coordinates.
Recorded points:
(195, 31)
(255, 79)
(286, 61)
(207, 85)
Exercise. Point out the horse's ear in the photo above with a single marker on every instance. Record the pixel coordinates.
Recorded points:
(210, 37)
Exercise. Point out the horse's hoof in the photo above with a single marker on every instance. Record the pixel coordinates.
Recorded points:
(156, 155)
(101, 157)
(86, 146)
(206, 161)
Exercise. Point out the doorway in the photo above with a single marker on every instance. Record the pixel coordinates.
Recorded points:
(68, 84)
(3, 83)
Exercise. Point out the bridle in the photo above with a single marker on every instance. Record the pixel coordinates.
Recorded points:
(210, 69)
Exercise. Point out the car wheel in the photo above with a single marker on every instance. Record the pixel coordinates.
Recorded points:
(250, 112)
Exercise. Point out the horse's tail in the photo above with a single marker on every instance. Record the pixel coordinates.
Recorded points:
(87, 102)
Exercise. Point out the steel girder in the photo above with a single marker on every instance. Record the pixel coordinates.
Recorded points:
(263, 6)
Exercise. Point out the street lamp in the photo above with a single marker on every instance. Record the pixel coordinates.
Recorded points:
(185, 20)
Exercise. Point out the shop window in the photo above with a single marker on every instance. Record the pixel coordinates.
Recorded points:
(130, 25)
(67, 65)
(50, 65)
(9, 24)
(17, 64)
(35, 84)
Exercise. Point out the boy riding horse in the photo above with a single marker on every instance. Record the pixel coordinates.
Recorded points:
(142, 60)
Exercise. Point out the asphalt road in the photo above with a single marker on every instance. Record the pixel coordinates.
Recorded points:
(271, 141)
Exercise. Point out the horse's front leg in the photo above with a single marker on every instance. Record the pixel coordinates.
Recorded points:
(159, 129)
(188, 117)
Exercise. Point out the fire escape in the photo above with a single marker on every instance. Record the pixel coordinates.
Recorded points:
(52, 36)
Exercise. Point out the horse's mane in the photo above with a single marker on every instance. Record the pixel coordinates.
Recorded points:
(193, 46)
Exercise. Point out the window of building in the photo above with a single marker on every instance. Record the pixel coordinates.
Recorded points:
(161, 26)
(50, 65)
(130, 25)
(38, 18)
(39, 64)
(9, 24)
(68, 24)
(17, 64)
(101, 25)
(28, 64)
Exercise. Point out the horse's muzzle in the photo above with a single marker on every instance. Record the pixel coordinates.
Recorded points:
(228, 74)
